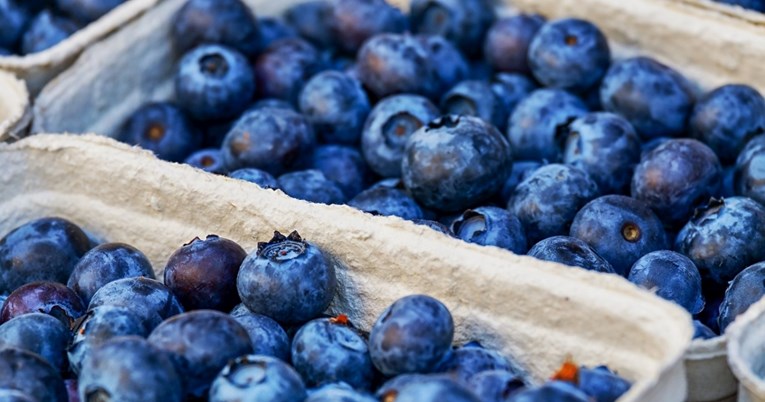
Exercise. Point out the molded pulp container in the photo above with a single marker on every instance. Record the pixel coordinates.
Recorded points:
(536, 312)
(15, 111)
(746, 353)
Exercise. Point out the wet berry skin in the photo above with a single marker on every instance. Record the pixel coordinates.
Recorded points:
(200, 343)
(43, 297)
(354, 21)
(476, 98)
(673, 276)
(38, 333)
(14, 19)
(45, 249)
(570, 251)
(336, 105)
(270, 139)
(602, 384)
(45, 31)
(463, 22)
(749, 172)
(285, 67)
(214, 82)
(701, 331)
(387, 201)
(507, 43)
(620, 229)
(328, 350)
(411, 336)
(491, 226)
(225, 22)
(210, 160)
(30, 374)
(130, 369)
(202, 273)
(495, 385)
(455, 162)
(312, 186)
(340, 392)
(724, 238)
(163, 129)
(256, 176)
(434, 389)
(549, 198)
(448, 62)
(654, 98)
(311, 20)
(342, 164)
(539, 120)
(257, 378)
(726, 118)
(152, 301)
(287, 279)
(677, 177)
(267, 336)
(388, 128)
(557, 391)
(273, 29)
(467, 361)
(746, 289)
(106, 263)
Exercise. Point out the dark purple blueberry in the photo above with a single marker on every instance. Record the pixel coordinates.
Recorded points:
(620, 229)
(87, 11)
(45, 31)
(202, 273)
(45, 249)
(336, 105)
(14, 19)
(749, 172)
(387, 201)
(287, 279)
(549, 198)
(312, 186)
(491, 226)
(263, 378)
(210, 160)
(411, 336)
(495, 385)
(569, 54)
(432, 389)
(521, 170)
(71, 390)
(724, 238)
(43, 297)
(476, 98)
(449, 63)
(463, 363)
(152, 301)
(352, 22)
(106, 263)
(272, 30)
(455, 162)
(570, 251)
(557, 391)
(40, 334)
(311, 20)
(602, 384)
(342, 164)
(225, 22)
(161, 128)
(129, 369)
(270, 139)
(701, 331)
(606, 147)
(283, 69)
(656, 99)
(261, 178)
(726, 118)
(540, 120)
(388, 128)
(677, 177)
(267, 336)
(744, 290)
(511, 89)
(507, 43)
(672, 276)
(30, 374)
(463, 22)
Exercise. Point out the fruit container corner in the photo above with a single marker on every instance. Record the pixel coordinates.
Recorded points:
(15, 109)
(746, 353)
(537, 312)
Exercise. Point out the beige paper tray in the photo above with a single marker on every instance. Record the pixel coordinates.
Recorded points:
(15, 110)
(746, 349)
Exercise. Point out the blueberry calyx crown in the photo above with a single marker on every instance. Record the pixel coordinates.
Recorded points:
(448, 121)
(568, 372)
(281, 248)
(712, 206)
(389, 396)
(341, 319)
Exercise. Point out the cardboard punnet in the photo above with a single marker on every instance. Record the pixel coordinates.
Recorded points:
(537, 312)
(746, 353)
(15, 110)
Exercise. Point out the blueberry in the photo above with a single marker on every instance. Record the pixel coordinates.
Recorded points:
(463, 22)
(677, 177)
(338, 393)
(268, 338)
(455, 162)
(213, 132)
(163, 129)
(656, 99)
(87, 11)
(34, 6)
(475, 98)
(272, 103)
(433, 389)
(342, 164)
(311, 186)
(257, 379)
(673, 276)
(701, 331)
(106, 263)
(714, 294)
(491, 226)
(99, 325)
(149, 299)
(40, 250)
(553, 391)
(726, 118)
(728, 184)
(539, 121)
(45, 31)
(648, 146)
(336, 105)
(14, 20)
(449, 63)
(620, 229)
(606, 146)
(463, 363)
(210, 160)
(270, 139)
(272, 30)
(43, 297)
(511, 89)
(495, 385)
(749, 172)
(746, 289)
(507, 43)
(386, 201)
(388, 129)
(602, 384)
(547, 201)
(393, 385)
(756, 5)
(390, 64)
(202, 273)
(256, 176)
(570, 54)
(71, 389)
(226, 22)
(129, 369)
(311, 19)
(724, 238)
(521, 170)
(287, 279)
(437, 226)
(30, 374)
(570, 251)
(411, 336)
(214, 82)
(284, 67)
(40, 334)
(352, 22)
(12, 395)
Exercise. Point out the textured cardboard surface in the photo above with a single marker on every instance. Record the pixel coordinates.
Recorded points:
(15, 111)
(746, 352)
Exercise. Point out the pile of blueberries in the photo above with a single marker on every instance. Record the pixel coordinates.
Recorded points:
(756, 5)
(89, 322)
(31, 26)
